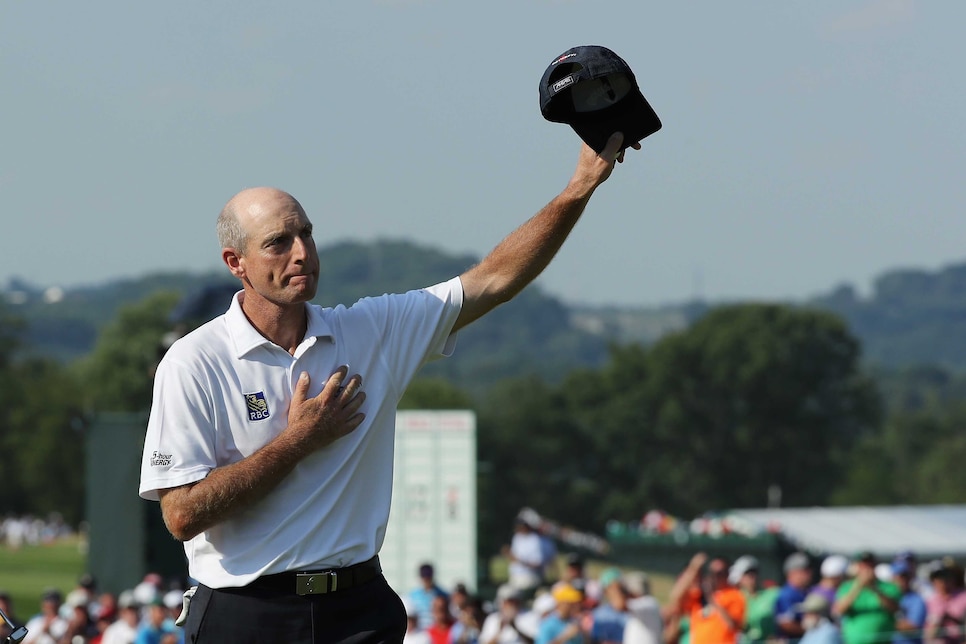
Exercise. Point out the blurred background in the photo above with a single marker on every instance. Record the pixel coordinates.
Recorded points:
(760, 311)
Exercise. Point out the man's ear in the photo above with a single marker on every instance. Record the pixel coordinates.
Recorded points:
(233, 260)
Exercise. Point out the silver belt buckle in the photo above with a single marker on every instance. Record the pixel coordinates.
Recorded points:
(316, 583)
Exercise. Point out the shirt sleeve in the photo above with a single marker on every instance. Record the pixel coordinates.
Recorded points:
(179, 445)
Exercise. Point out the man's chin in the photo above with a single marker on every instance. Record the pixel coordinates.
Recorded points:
(303, 287)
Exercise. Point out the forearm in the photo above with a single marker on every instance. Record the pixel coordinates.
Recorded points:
(191, 509)
(844, 603)
(521, 256)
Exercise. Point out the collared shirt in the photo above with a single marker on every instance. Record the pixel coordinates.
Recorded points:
(223, 391)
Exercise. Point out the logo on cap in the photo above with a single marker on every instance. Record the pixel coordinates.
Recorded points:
(257, 406)
(563, 82)
(564, 57)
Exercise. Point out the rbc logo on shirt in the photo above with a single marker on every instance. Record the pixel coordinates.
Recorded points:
(257, 407)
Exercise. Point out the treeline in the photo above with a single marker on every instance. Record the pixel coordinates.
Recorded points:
(748, 397)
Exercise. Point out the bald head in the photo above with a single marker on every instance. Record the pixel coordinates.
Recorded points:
(251, 203)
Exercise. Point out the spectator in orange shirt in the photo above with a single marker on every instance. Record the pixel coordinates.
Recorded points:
(716, 608)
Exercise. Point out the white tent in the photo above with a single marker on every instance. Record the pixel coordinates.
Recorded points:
(927, 530)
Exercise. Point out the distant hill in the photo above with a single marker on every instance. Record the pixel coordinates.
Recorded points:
(532, 334)
(912, 317)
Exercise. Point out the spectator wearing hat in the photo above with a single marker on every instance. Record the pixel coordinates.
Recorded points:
(715, 608)
(47, 627)
(529, 620)
(798, 579)
(831, 575)
(946, 607)
(125, 628)
(816, 620)
(645, 625)
(759, 602)
(423, 595)
(156, 628)
(526, 554)
(500, 626)
(562, 625)
(866, 606)
(911, 618)
(608, 620)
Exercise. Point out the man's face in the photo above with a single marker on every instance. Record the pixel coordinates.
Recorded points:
(800, 577)
(280, 262)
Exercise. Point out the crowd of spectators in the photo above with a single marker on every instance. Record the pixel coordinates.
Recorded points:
(613, 607)
(28, 530)
(145, 614)
(833, 600)
(849, 601)
(550, 598)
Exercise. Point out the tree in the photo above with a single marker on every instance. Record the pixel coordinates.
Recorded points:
(117, 375)
(41, 469)
(434, 393)
(758, 395)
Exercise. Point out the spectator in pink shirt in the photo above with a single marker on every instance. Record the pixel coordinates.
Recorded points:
(946, 607)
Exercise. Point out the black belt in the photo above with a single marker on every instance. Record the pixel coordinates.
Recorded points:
(318, 582)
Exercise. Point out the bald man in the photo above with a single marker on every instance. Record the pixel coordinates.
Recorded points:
(270, 439)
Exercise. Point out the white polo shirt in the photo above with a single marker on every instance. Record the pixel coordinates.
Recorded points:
(223, 391)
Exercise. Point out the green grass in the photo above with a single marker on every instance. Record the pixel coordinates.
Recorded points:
(27, 572)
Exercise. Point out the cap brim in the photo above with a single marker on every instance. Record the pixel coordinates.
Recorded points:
(633, 116)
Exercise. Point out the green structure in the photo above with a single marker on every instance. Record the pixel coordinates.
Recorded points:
(127, 535)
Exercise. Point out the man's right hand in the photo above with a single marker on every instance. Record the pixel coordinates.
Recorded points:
(321, 420)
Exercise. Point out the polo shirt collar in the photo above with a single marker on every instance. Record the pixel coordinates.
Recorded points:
(245, 337)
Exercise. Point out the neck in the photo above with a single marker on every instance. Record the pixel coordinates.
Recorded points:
(285, 325)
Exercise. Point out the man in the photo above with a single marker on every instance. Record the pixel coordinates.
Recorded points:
(716, 610)
(645, 625)
(48, 626)
(422, 596)
(819, 629)
(573, 572)
(946, 606)
(866, 606)
(911, 617)
(759, 602)
(832, 574)
(562, 626)
(609, 619)
(798, 579)
(270, 439)
(500, 626)
(124, 630)
(156, 629)
(526, 553)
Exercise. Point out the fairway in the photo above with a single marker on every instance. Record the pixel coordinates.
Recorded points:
(26, 572)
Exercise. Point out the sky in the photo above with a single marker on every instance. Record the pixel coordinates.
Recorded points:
(806, 144)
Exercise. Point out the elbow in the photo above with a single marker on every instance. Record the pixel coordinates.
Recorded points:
(179, 525)
(178, 519)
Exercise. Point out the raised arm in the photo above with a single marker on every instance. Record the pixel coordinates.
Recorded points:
(524, 253)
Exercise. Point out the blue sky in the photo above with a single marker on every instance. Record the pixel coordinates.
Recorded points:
(805, 143)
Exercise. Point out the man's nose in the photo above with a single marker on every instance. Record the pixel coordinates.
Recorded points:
(300, 249)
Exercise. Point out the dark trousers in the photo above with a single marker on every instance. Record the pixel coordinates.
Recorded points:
(368, 613)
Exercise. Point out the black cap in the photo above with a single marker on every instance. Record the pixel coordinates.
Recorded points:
(594, 91)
